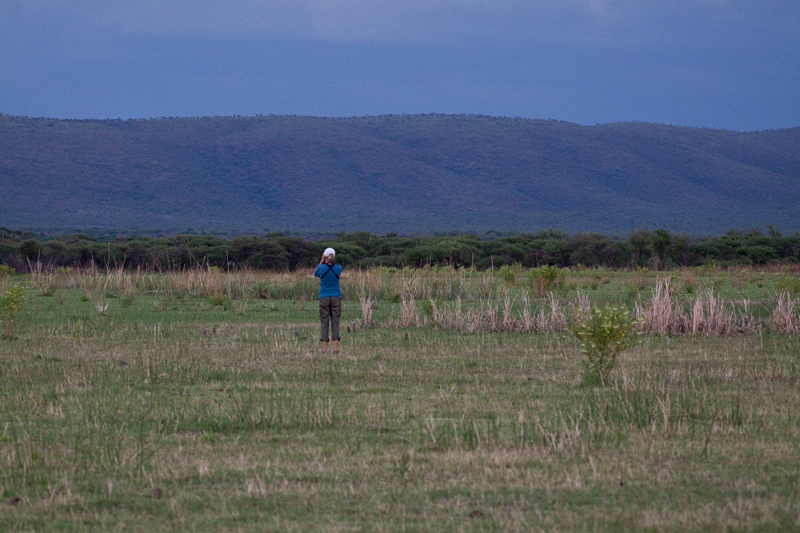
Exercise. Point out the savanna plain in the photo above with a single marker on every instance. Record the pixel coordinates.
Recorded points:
(200, 400)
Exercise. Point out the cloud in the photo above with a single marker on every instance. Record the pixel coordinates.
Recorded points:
(604, 23)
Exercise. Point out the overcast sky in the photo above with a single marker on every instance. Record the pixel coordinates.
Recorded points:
(713, 63)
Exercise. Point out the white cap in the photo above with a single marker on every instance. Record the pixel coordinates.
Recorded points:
(329, 252)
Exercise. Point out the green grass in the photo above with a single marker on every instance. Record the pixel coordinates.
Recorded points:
(244, 425)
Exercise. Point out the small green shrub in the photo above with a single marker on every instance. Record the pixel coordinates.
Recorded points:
(5, 271)
(50, 289)
(262, 289)
(11, 304)
(427, 305)
(690, 280)
(382, 271)
(716, 284)
(639, 278)
(508, 273)
(393, 297)
(604, 334)
(788, 283)
(546, 279)
(217, 300)
(632, 290)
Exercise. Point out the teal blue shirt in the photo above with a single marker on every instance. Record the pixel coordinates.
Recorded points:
(329, 280)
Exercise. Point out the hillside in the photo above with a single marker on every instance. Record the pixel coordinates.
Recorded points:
(416, 173)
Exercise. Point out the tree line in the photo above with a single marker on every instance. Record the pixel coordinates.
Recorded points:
(658, 249)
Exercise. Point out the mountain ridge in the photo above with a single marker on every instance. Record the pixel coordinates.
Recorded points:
(394, 173)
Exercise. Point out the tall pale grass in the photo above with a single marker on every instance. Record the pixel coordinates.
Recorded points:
(409, 312)
(367, 304)
(493, 315)
(708, 313)
(785, 317)
(658, 317)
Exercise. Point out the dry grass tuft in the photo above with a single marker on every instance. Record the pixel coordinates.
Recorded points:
(785, 317)
(658, 317)
(367, 305)
(409, 312)
(708, 314)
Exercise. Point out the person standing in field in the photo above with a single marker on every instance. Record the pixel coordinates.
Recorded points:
(330, 298)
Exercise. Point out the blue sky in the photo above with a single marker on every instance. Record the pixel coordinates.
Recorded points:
(710, 63)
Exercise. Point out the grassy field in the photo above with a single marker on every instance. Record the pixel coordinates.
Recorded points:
(201, 401)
